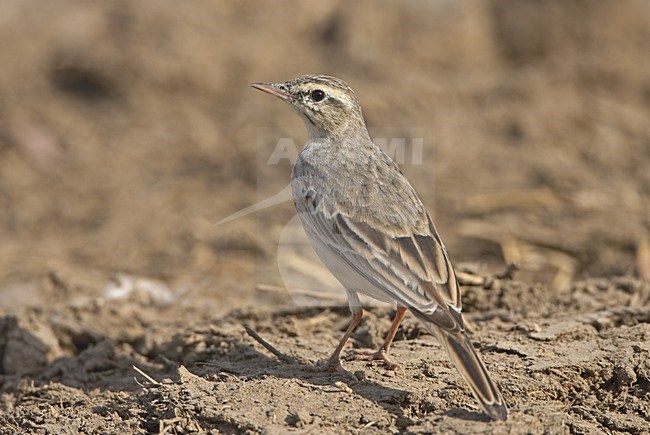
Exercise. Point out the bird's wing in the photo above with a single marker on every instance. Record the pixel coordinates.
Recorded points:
(408, 265)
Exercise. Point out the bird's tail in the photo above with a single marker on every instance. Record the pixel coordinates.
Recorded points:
(470, 366)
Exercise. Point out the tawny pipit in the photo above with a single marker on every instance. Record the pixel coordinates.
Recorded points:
(368, 226)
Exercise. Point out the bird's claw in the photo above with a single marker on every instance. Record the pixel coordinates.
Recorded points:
(378, 355)
(331, 365)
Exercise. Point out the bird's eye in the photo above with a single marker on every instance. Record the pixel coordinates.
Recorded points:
(317, 95)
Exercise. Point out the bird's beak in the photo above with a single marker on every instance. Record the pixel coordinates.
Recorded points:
(274, 89)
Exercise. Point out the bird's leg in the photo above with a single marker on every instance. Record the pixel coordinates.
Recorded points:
(382, 353)
(333, 363)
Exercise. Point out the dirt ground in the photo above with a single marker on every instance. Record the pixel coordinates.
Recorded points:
(129, 136)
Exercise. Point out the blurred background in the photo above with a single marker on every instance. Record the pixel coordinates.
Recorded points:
(128, 129)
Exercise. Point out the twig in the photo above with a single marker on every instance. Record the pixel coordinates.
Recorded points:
(147, 377)
(367, 425)
(468, 278)
(282, 357)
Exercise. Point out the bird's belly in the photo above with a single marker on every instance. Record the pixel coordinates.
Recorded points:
(345, 274)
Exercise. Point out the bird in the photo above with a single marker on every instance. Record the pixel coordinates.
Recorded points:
(372, 231)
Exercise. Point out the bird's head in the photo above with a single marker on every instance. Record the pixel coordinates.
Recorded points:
(326, 104)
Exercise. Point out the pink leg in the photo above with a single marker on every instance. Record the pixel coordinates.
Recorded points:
(382, 353)
(333, 363)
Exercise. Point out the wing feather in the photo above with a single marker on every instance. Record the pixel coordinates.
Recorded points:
(410, 268)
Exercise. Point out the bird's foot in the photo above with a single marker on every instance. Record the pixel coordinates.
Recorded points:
(378, 355)
(331, 365)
